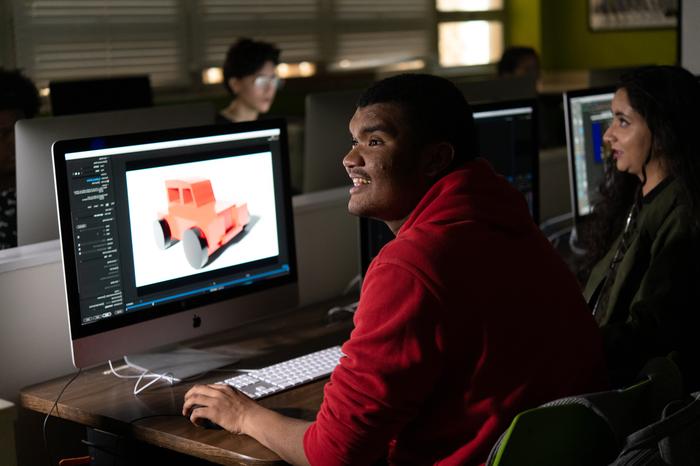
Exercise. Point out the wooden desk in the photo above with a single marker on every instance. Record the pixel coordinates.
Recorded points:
(105, 402)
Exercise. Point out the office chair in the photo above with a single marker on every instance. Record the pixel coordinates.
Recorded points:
(588, 429)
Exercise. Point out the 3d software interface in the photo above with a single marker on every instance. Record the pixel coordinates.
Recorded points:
(506, 140)
(589, 119)
(134, 211)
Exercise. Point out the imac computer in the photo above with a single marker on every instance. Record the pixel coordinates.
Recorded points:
(36, 205)
(587, 116)
(508, 138)
(100, 94)
(171, 235)
(327, 138)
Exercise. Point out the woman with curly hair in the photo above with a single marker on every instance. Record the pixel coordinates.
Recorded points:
(644, 241)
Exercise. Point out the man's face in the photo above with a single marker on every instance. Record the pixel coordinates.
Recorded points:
(384, 165)
(8, 118)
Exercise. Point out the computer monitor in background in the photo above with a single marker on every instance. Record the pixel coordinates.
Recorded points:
(36, 204)
(327, 138)
(100, 94)
(587, 116)
(508, 138)
(481, 90)
(374, 234)
(172, 235)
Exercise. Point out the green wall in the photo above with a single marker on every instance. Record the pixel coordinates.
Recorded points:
(559, 30)
(524, 24)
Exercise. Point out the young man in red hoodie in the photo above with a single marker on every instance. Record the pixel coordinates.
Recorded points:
(465, 319)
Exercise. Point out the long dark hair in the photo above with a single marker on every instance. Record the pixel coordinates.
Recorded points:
(668, 98)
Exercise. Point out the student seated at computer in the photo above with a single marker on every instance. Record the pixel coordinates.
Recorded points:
(643, 288)
(18, 99)
(250, 77)
(466, 318)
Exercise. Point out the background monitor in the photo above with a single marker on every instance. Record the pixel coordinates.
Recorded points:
(36, 204)
(587, 116)
(480, 90)
(374, 234)
(327, 138)
(172, 235)
(508, 138)
(100, 94)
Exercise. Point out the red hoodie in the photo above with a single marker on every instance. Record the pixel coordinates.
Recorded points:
(465, 319)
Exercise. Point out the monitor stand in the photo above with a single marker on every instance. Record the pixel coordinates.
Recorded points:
(180, 363)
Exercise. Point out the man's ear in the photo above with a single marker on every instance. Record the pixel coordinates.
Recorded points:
(439, 156)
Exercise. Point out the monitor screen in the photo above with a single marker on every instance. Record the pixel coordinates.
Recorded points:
(36, 206)
(327, 138)
(174, 234)
(587, 116)
(508, 138)
(100, 94)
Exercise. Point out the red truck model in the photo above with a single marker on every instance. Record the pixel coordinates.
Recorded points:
(195, 217)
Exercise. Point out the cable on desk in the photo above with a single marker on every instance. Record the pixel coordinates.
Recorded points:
(167, 376)
(48, 415)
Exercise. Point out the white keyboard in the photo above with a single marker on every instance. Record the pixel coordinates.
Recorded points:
(269, 380)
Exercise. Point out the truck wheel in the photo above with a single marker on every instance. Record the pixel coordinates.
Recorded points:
(195, 245)
(162, 235)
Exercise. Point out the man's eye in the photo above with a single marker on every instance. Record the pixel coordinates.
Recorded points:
(353, 143)
(374, 142)
(623, 123)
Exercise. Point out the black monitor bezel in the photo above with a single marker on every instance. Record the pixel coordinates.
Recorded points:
(60, 148)
(511, 104)
(568, 124)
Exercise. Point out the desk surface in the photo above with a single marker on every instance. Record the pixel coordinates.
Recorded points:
(106, 402)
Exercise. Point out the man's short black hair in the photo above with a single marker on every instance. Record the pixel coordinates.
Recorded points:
(434, 108)
(17, 92)
(512, 57)
(246, 56)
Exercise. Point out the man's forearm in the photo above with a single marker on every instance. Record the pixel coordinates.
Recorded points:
(281, 434)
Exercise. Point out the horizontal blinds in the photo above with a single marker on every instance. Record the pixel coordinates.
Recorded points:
(379, 48)
(289, 24)
(59, 40)
(258, 10)
(381, 9)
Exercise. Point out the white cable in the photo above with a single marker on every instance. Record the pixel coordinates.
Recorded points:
(168, 376)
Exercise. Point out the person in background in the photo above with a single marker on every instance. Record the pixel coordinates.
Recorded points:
(465, 319)
(250, 77)
(18, 99)
(519, 61)
(644, 240)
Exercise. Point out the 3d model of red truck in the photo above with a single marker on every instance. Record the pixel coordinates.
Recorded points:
(196, 218)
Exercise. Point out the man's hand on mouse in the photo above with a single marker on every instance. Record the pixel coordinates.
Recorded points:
(220, 404)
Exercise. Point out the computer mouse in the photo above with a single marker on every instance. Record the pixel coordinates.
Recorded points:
(204, 422)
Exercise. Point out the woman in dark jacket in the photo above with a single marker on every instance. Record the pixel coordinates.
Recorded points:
(644, 243)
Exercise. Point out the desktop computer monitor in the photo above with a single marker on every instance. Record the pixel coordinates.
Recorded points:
(171, 235)
(327, 138)
(587, 116)
(100, 94)
(36, 205)
(374, 234)
(494, 89)
(508, 138)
